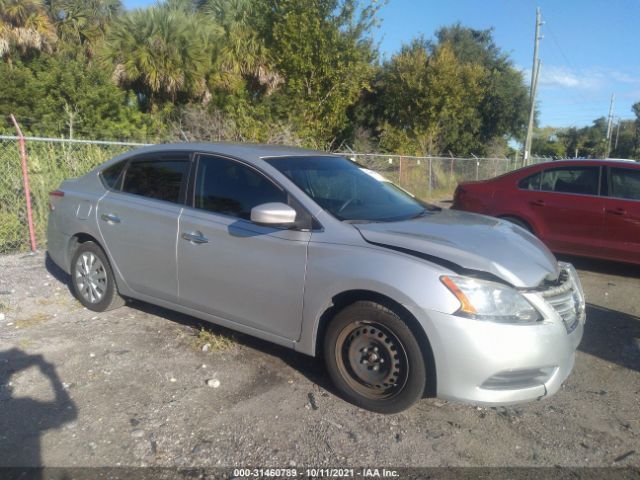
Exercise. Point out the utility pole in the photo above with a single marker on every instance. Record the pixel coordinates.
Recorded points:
(535, 75)
(609, 125)
(617, 133)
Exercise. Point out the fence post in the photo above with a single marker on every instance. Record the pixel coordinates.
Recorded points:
(451, 169)
(25, 181)
(477, 166)
(430, 178)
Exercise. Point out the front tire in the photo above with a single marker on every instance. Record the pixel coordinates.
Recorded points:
(93, 280)
(374, 359)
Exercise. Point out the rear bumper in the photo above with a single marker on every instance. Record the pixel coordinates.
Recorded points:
(487, 363)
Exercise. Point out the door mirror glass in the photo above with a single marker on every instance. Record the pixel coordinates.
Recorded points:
(274, 214)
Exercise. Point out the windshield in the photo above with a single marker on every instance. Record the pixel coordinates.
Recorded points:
(347, 190)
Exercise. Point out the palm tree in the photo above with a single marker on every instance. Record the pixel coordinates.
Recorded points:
(163, 53)
(25, 26)
(84, 22)
(241, 53)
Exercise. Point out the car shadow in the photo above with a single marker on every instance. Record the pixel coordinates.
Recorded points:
(23, 420)
(56, 272)
(612, 336)
(311, 368)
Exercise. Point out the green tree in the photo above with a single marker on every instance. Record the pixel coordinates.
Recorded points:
(54, 96)
(242, 59)
(163, 53)
(25, 27)
(547, 143)
(429, 101)
(323, 50)
(505, 103)
(83, 24)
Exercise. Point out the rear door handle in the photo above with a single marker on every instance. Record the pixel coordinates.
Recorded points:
(110, 217)
(538, 203)
(195, 237)
(616, 211)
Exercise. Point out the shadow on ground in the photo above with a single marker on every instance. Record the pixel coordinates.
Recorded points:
(612, 336)
(23, 420)
(311, 368)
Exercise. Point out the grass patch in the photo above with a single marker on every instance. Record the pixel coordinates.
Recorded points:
(33, 320)
(217, 341)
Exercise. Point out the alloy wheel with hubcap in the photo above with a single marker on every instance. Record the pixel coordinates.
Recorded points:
(93, 279)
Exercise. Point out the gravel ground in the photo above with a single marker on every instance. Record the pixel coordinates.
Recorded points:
(132, 387)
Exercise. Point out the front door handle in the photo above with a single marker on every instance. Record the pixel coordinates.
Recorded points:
(195, 237)
(110, 217)
(616, 211)
(538, 203)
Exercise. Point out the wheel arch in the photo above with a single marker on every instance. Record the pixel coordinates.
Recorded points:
(348, 297)
(526, 221)
(78, 239)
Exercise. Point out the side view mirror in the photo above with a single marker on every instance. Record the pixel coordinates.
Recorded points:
(273, 214)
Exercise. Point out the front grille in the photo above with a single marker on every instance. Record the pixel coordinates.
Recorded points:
(563, 295)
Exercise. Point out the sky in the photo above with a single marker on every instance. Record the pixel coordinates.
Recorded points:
(590, 49)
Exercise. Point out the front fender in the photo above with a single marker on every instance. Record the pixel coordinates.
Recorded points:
(336, 268)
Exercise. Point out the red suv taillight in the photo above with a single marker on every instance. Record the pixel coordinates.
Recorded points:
(55, 193)
(458, 196)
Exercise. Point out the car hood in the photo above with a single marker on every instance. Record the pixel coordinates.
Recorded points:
(470, 241)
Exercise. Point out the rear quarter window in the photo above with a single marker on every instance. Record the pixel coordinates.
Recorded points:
(111, 176)
(532, 182)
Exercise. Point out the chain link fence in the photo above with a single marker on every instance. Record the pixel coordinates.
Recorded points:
(52, 160)
(433, 178)
(49, 162)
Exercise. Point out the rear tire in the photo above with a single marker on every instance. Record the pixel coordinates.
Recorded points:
(93, 280)
(374, 359)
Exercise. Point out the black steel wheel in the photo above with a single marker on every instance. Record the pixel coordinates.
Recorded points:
(374, 359)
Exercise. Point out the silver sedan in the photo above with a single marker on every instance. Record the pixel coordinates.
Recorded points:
(315, 252)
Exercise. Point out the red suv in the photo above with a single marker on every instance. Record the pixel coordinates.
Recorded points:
(580, 207)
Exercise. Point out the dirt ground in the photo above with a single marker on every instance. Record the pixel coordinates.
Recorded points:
(133, 387)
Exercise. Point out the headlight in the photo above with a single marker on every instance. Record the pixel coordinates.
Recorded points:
(492, 301)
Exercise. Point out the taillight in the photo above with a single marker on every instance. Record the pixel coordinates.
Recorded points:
(55, 193)
(457, 196)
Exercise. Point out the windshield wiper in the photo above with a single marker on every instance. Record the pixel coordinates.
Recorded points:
(359, 221)
(419, 214)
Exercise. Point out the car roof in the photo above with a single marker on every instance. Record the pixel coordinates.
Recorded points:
(244, 151)
(592, 161)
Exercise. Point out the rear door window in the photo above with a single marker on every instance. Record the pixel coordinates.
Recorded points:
(578, 180)
(625, 183)
(157, 179)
